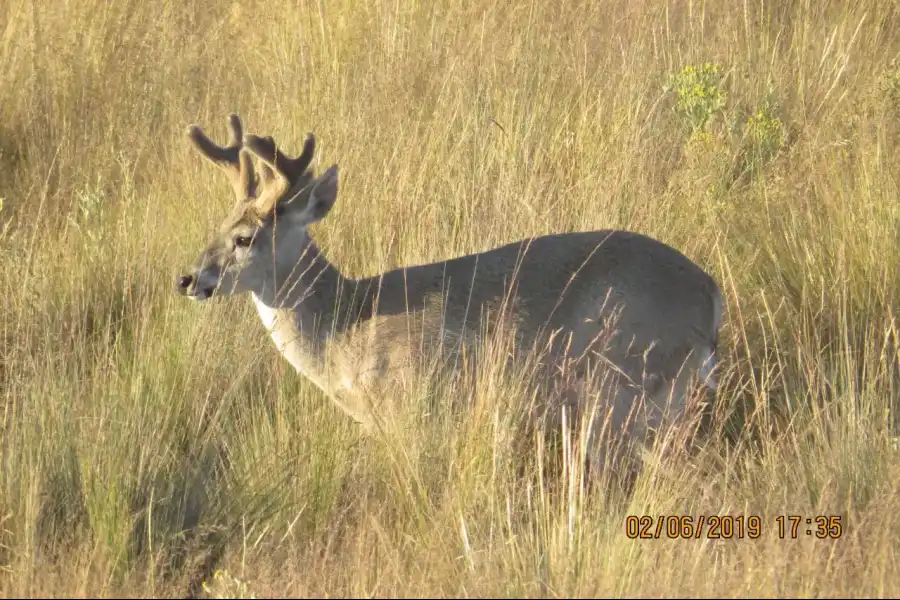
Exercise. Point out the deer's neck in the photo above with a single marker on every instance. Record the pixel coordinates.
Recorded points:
(305, 313)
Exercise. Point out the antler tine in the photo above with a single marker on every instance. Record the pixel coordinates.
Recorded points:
(237, 130)
(232, 159)
(266, 174)
(291, 169)
(302, 162)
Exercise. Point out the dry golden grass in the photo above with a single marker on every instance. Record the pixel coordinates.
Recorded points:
(148, 441)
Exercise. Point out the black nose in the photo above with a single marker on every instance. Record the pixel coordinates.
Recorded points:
(184, 282)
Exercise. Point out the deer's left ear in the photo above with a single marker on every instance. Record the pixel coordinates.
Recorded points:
(322, 197)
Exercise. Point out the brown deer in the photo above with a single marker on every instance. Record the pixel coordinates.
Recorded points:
(608, 297)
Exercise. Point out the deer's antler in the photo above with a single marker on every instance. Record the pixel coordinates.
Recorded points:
(279, 173)
(233, 159)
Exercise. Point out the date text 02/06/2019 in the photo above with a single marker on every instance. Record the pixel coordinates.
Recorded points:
(652, 527)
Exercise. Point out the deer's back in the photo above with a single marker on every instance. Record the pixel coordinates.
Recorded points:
(579, 286)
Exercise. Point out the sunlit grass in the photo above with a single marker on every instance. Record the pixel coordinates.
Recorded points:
(148, 441)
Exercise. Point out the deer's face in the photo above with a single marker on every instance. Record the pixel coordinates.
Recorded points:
(255, 252)
(238, 259)
(264, 240)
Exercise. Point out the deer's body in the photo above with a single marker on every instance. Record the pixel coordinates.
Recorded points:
(613, 297)
(357, 338)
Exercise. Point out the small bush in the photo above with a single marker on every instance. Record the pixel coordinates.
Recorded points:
(699, 94)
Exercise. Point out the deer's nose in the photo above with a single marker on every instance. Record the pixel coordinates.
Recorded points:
(184, 282)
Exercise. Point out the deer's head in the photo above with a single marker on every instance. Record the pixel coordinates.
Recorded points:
(264, 239)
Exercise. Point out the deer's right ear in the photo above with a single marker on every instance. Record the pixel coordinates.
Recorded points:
(323, 196)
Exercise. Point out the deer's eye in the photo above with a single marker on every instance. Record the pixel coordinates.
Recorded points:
(242, 241)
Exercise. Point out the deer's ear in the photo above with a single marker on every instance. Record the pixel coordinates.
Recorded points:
(322, 197)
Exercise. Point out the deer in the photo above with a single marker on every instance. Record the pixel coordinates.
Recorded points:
(614, 298)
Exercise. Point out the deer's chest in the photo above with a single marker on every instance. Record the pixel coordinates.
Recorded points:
(310, 357)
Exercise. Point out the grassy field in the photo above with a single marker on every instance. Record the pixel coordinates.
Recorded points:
(148, 441)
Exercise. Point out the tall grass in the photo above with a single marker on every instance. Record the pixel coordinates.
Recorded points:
(148, 441)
